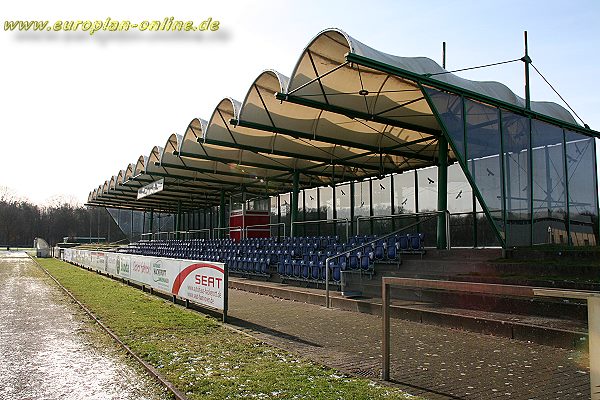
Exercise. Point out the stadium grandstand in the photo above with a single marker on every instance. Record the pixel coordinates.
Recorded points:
(357, 158)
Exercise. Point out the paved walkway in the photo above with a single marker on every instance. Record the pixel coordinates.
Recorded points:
(49, 349)
(435, 362)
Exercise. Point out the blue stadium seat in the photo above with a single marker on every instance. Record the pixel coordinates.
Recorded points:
(392, 252)
(379, 252)
(403, 244)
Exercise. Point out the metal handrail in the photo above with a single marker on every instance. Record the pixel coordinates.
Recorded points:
(160, 233)
(390, 217)
(246, 229)
(410, 215)
(224, 228)
(199, 230)
(327, 260)
(175, 233)
(327, 221)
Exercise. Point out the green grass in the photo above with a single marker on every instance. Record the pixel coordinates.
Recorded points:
(200, 356)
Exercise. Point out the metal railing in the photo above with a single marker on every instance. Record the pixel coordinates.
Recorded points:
(174, 233)
(592, 298)
(194, 231)
(327, 221)
(161, 233)
(248, 228)
(411, 215)
(225, 228)
(384, 237)
(399, 216)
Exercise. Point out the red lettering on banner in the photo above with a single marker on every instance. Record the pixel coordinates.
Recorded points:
(210, 281)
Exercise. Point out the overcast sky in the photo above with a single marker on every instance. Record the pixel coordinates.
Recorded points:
(75, 108)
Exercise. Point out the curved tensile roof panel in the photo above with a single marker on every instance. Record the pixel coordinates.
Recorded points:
(121, 177)
(357, 147)
(129, 172)
(105, 187)
(140, 165)
(328, 50)
(197, 154)
(152, 159)
(347, 112)
(192, 136)
(112, 183)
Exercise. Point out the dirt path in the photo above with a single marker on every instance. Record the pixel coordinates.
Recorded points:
(49, 349)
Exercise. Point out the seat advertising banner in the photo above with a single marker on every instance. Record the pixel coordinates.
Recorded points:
(200, 282)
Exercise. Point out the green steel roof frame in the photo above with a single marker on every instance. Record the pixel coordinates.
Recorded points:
(292, 99)
(428, 81)
(122, 196)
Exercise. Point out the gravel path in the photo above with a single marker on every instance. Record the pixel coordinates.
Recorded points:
(49, 349)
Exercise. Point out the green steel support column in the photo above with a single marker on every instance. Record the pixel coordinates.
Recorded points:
(151, 227)
(567, 196)
(595, 156)
(416, 173)
(319, 213)
(442, 240)
(371, 222)
(527, 61)
(222, 214)
(334, 210)
(530, 186)
(475, 232)
(503, 176)
(178, 220)
(295, 192)
(352, 204)
(278, 215)
(549, 185)
(392, 201)
(303, 213)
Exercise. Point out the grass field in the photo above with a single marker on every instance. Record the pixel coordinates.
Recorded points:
(201, 357)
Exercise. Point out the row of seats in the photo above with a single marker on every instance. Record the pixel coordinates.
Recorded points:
(302, 258)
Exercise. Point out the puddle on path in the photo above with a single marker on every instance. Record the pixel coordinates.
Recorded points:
(49, 349)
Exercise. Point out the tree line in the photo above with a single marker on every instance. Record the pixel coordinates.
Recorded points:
(21, 221)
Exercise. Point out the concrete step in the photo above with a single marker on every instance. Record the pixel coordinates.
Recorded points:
(549, 331)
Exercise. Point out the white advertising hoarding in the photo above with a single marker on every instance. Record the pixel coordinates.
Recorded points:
(200, 282)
